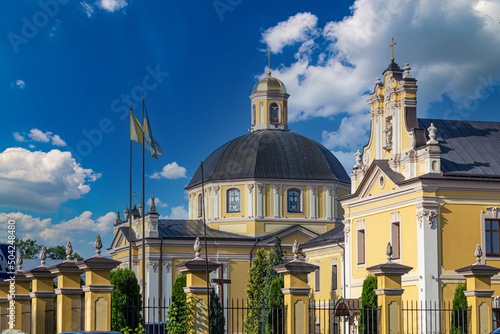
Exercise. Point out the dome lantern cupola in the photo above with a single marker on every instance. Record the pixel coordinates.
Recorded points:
(269, 104)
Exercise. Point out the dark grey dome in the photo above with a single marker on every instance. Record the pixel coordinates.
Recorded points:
(271, 154)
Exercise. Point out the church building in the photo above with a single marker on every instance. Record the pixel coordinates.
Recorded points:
(430, 187)
(269, 181)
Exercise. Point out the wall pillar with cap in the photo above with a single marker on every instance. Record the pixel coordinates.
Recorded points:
(196, 286)
(42, 297)
(478, 293)
(68, 292)
(19, 302)
(296, 292)
(97, 289)
(389, 292)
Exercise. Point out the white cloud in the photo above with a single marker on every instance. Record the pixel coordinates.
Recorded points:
(19, 84)
(158, 203)
(87, 8)
(49, 234)
(170, 171)
(296, 29)
(31, 146)
(347, 159)
(177, 212)
(57, 141)
(39, 136)
(41, 181)
(18, 136)
(350, 134)
(113, 5)
(336, 65)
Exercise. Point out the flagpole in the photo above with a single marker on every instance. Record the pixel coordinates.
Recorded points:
(206, 248)
(130, 206)
(143, 225)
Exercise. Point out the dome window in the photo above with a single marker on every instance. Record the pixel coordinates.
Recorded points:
(274, 113)
(293, 201)
(233, 200)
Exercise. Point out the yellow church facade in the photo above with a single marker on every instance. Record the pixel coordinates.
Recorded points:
(270, 181)
(427, 186)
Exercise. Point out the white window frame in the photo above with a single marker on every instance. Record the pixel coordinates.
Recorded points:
(269, 112)
(317, 278)
(199, 208)
(301, 195)
(491, 212)
(361, 226)
(226, 200)
(396, 218)
(334, 264)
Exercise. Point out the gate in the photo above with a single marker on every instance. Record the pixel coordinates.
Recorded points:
(26, 318)
(77, 314)
(50, 317)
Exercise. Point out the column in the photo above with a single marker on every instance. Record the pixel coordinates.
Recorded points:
(389, 292)
(19, 302)
(329, 202)
(478, 293)
(276, 200)
(296, 292)
(152, 293)
(260, 201)
(216, 202)
(97, 289)
(312, 210)
(250, 201)
(4, 304)
(42, 297)
(347, 255)
(196, 286)
(428, 246)
(335, 202)
(68, 294)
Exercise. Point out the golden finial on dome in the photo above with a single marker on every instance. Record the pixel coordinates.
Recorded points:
(268, 55)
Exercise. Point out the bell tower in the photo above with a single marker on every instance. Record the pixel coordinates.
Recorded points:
(269, 103)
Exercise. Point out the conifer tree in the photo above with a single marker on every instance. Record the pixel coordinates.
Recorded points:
(255, 321)
(217, 321)
(459, 313)
(276, 302)
(368, 316)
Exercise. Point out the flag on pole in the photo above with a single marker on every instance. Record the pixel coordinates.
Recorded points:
(154, 147)
(135, 129)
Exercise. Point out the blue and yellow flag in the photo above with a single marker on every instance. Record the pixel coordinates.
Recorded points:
(135, 129)
(154, 147)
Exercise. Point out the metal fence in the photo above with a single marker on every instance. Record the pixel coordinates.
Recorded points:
(342, 316)
(240, 318)
(50, 317)
(434, 318)
(78, 314)
(26, 318)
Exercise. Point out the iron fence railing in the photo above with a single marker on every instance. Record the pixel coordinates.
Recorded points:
(50, 317)
(432, 317)
(241, 318)
(26, 318)
(78, 314)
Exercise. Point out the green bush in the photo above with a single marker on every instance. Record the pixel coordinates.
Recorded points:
(459, 313)
(255, 321)
(126, 300)
(368, 322)
(180, 315)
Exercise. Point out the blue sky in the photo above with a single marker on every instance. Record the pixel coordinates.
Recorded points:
(69, 70)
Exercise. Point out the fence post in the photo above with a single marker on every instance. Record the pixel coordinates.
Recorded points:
(97, 289)
(68, 290)
(389, 292)
(478, 293)
(21, 299)
(296, 292)
(42, 294)
(196, 286)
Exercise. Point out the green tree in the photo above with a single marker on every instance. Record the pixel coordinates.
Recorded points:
(276, 302)
(459, 313)
(276, 256)
(217, 321)
(368, 317)
(59, 253)
(254, 322)
(29, 248)
(180, 315)
(126, 300)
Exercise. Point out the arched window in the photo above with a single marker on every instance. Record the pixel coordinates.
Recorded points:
(233, 200)
(254, 114)
(274, 113)
(200, 205)
(293, 200)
